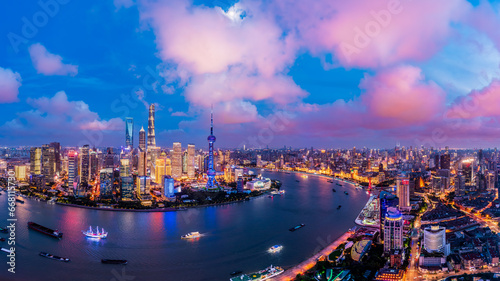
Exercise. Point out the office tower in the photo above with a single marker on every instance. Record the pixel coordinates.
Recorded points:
(142, 166)
(168, 167)
(142, 139)
(94, 165)
(239, 185)
(143, 188)
(20, 172)
(106, 183)
(85, 164)
(151, 127)
(36, 160)
(48, 163)
(124, 167)
(177, 160)
(211, 183)
(435, 239)
(393, 230)
(159, 170)
(129, 133)
(168, 187)
(127, 188)
(184, 162)
(73, 171)
(403, 191)
(190, 161)
(57, 155)
(445, 161)
(259, 161)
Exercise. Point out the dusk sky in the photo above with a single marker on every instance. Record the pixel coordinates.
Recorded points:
(299, 73)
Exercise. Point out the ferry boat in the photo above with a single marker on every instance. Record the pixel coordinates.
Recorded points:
(275, 249)
(45, 230)
(297, 227)
(338, 184)
(191, 235)
(108, 261)
(282, 192)
(346, 193)
(97, 234)
(19, 200)
(264, 274)
(46, 255)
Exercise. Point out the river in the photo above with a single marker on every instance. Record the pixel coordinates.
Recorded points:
(234, 236)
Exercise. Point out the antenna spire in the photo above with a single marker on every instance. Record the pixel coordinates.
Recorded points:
(212, 120)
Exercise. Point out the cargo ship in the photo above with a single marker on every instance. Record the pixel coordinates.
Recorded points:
(297, 227)
(45, 230)
(264, 274)
(43, 254)
(108, 261)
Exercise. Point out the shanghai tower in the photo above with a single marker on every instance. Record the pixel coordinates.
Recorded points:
(151, 127)
(211, 183)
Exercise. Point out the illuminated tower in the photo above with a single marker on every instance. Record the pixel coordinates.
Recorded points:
(211, 183)
(129, 132)
(151, 127)
(142, 139)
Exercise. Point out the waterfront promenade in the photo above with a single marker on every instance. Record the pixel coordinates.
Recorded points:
(291, 273)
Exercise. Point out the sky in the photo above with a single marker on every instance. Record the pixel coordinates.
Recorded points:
(277, 73)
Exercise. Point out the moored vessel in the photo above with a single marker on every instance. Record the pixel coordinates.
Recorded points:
(264, 274)
(45, 230)
(46, 255)
(297, 227)
(108, 261)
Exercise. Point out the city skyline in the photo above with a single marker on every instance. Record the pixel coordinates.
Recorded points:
(370, 85)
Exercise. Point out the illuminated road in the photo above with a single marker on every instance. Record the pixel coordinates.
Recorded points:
(291, 273)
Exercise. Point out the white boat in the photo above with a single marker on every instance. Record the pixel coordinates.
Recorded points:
(97, 234)
(7, 250)
(275, 248)
(191, 235)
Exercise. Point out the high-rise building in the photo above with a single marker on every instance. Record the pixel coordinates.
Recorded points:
(190, 161)
(143, 188)
(168, 167)
(142, 139)
(159, 170)
(106, 183)
(211, 183)
(36, 160)
(393, 230)
(435, 239)
(94, 165)
(109, 160)
(445, 161)
(57, 155)
(259, 161)
(151, 127)
(73, 171)
(168, 187)
(48, 163)
(85, 164)
(127, 188)
(142, 166)
(20, 171)
(184, 163)
(403, 190)
(124, 167)
(129, 132)
(177, 160)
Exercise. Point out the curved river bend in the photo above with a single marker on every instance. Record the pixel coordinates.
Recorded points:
(235, 236)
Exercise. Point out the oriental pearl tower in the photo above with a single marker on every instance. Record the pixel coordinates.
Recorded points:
(211, 183)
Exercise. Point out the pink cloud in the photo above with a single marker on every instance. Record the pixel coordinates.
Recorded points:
(114, 124)
(481, 103)
(402, 94)
(49, 64)
(10, 82)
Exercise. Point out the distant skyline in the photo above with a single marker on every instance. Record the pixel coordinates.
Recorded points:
(283, 72)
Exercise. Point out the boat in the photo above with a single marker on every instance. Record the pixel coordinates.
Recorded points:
(339, 184)
(191, 235)
(264, 274)
(4, 230)
(282, 192)
(2, 239)
(297, 227)
(20, 200)
(346, 193)
(108, 261)
(305, 176)
(46, 255)
(297, 180)
(234, 273)
(97, 234)
(270, 196)
(7, 250)
(45, 230)
(333, 189)
(275, 249)
(340, 206)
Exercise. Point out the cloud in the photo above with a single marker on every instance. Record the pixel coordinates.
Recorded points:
(10, 82)
(179, 114)
(49, 64)
(480, 103)
(123, 3)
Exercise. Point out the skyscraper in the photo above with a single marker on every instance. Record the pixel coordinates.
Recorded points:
(106, 183)
(72, 171)
(57, 154)
(177, 160)
(85, 164)
(94, 165)
(36, 160)
(159, 170)
(403, 191)
(211, 183)
(190, 161)
(393, 230)
(168, 187)
(129, 132)
(142, 166)
(435, 239)
(48, 163)
(142, 139)
(127, 188)
(151, 127)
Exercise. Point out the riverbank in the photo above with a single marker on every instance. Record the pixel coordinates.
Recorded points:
(302, 267)
(357, 185)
